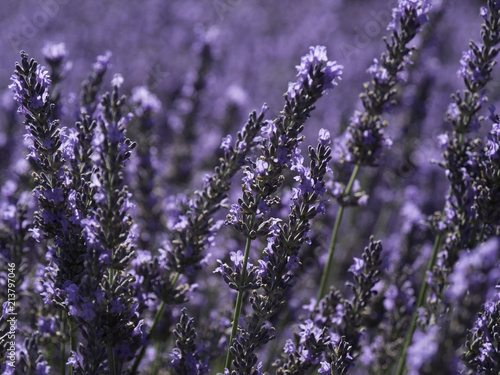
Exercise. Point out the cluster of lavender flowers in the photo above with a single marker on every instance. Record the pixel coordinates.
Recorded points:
(133, 243)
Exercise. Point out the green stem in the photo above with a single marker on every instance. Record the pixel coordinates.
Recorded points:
(239, 299)
(156, 319)
(111, 276)
(72, 341)
(274, 346)
(333, 242)
(111, 352)
(63, 344)
(420, 302)
(481, 235)
(157, 363)
(111, 360)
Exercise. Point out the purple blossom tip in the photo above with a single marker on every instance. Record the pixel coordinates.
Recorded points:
(325, 368)
(54, 51)
(379, 73)
(117, 80)
(357, 267)
(316, 57)
(226, 143)
(102, 63)
(324, 137)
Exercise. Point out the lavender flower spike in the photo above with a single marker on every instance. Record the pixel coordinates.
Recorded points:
(316, 64)
(473, 280)
(366, 139)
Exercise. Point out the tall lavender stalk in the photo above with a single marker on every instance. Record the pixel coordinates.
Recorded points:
(316, 75)
(102, 302)
(461, 223)
(365, 138)
(57, 215)
(473, 279)
(196, 227)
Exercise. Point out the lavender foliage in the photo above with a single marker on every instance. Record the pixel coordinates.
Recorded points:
(149, 226)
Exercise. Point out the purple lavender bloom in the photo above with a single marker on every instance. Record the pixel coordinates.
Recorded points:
(325, 368)
(23, 97)
(324, 137)
(261, 167)
(492, 145)
(55, 51)
(102, 63)
(47, 326)
(357, 267)
(237, 258)
(378, 72)
(468, 70)
(316, 59)
(226, 143)
(248, 179)
(269, 129)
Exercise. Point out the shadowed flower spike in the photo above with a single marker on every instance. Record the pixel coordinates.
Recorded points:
(420, 7)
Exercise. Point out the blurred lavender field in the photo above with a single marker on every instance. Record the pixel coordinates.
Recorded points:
(115, 242)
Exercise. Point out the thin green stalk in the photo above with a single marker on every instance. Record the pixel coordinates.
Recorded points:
(159, 346)
(111, 352)
(333, 242)
(274, 346)
(63, 344)
(111, 276)
(156, 319)
(420, 302)
(72, 341)
(483, 231)
(111, 360)
(239, 299)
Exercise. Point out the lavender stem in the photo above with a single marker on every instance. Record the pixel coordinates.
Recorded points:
(333, 242)
(239, 299)
(420, 301)
(156, 319)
